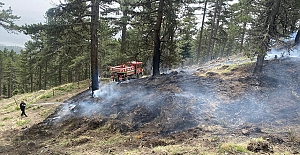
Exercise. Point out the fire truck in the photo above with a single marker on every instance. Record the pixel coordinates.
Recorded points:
(124, 72)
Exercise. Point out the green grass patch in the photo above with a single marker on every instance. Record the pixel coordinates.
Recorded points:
(46, 96)
(9, 105)
(6, 118)
(1, 124)
(114, 140)
(22, 122)
(258, 140)
(37, 108)
(178, 149)
(65, 88)
(45, 112)
(232, 148)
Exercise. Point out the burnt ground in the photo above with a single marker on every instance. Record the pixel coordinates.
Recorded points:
(193, 110)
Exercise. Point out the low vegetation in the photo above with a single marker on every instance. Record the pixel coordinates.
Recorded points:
(97, 135)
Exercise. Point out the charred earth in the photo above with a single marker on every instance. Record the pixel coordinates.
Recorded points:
(215, 109)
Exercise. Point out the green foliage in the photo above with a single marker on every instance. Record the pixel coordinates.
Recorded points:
(6, 118)
(9, 105)
(46, 96)
(66, 87)
(37, 108)
(7, 19)
(232, 148)
(17, 49)
(114, 140)
(59, 51)
(22, 122)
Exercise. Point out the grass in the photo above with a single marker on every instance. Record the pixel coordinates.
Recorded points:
(114, 140)
(66, 88)
(178, 149)
(258, 140)
(45, 96)
(292, 135)
(45, 113)
(226, 69)
(22, 122)
(9, 105)
(37, 107)
(6, 118)
(233, 148)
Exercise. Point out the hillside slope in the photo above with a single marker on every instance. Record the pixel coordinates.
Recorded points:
(218, 108)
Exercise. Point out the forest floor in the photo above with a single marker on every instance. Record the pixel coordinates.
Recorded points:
(215, 108)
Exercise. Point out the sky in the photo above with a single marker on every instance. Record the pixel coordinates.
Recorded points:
(31, 12)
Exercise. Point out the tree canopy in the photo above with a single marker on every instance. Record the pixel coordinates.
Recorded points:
(162, 34)
(7, 19)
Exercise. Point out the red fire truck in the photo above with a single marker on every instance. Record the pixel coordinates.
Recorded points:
(124, 72)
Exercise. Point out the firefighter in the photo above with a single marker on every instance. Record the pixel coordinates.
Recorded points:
(22, 107)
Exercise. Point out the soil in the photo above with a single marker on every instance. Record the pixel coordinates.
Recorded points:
(211, 109)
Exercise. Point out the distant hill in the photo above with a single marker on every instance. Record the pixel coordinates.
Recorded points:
(17, 49)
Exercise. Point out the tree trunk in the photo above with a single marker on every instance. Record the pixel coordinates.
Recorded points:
(223, 49)
(60, 74)
(70, 76)
(40, 77)
(209, 45)
(242, 37)
(31, 80)
(269, 24)
(86, 72)
(259, 63)
(201, 32)
(45, 75)
(9, 88)
(297, 38)
(216, 27)
(213, 40)
(124, 31)
(157, 41)
(94, 44)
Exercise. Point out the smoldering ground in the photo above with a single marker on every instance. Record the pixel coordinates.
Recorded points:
(180, 100)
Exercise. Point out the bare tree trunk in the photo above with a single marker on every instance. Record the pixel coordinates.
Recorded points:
(40, 77)
(242, 37)
(45, 75)
(297, 38)
(214, 35)
(157, 41)
(223, 48)
(86, 72)
(9, 89)
(201, 32)
(94, 44)
(209, 45)
(70, 76)
(259, 64)
(124, 32)
(31, 80)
